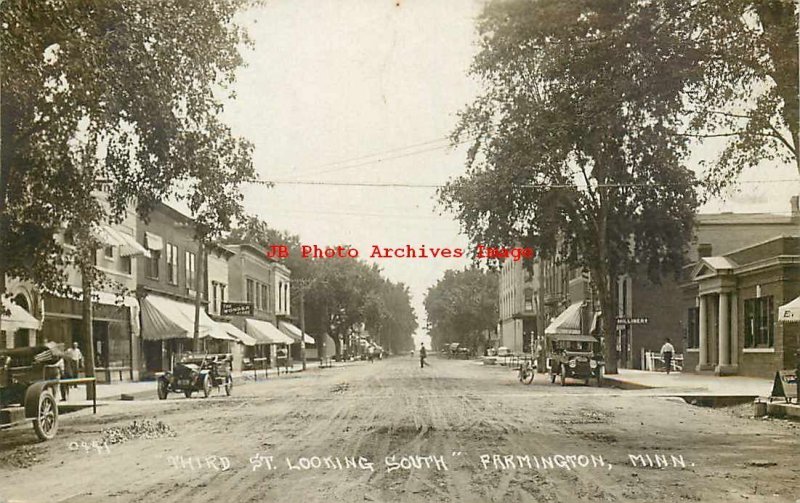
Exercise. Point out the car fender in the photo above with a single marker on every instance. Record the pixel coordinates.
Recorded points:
(32, 394)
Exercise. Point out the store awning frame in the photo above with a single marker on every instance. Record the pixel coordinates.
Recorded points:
(265, 332)
(164, 318)
(294, 332)
(568, 322)
(18, 318)
(235, 332)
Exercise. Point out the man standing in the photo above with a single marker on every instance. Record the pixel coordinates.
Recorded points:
(422, 355)
(666, 354)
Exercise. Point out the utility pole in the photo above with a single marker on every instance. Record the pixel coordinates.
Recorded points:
(303, 327)
(198, 285)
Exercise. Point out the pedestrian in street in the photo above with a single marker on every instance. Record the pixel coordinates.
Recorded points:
(422, 355)
(666, 354)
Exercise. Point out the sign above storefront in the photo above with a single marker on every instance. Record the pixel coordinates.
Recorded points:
(622, 320)
(236, 309)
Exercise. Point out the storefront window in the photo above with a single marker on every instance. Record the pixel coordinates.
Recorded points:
(759, 323)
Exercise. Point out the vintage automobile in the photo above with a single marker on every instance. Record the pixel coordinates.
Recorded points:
(576, 356)
(28, 380)
(198, 373)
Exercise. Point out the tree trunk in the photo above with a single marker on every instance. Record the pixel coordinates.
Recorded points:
(88, 331)
(198, 285)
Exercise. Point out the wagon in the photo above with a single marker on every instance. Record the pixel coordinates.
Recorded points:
(28, 379)
(198, 373)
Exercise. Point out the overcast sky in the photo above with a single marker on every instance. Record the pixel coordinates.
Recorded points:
(329, 83)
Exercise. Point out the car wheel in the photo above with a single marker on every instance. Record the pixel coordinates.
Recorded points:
(206, 385)
(163, 389)
(45, 424)
(563, 375)
(228, 385)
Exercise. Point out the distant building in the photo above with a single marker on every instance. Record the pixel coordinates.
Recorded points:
(517, 306)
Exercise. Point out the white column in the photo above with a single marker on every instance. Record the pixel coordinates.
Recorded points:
(734, 329)
(724, 330)
(703, 329)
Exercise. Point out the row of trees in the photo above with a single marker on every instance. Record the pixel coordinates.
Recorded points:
(462, 307)
(340, 294)
(119, 95)
(591, 109)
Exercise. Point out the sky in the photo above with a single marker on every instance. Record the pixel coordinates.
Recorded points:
(367, 91)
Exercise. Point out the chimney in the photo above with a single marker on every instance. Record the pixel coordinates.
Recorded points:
(795, 202)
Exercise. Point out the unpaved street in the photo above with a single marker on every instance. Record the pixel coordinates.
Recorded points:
(460, 413)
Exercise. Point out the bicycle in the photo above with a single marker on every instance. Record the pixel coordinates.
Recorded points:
(527, 370)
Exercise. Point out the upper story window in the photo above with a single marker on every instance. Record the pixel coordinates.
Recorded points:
(172, 264)
(264, 298)
(190, 262)
(251, 294)
(152, 264)
(109, 252)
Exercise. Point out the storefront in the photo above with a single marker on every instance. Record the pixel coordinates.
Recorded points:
(168, 332)
(269, 340)
(297, 335)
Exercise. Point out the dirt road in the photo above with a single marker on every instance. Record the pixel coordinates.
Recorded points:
(459, 431)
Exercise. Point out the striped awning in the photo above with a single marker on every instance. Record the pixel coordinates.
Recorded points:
(164, 318)
(18, 318)
(238, 334)
(294, 332)
(568, 322)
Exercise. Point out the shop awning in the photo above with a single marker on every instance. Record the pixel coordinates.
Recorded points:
(790, 313)
(265, 332)
(568, 322)
(127, 244)
(234, 332)
(573, 337)
(294, 332)
(164, 318)
(153, 241)
(18, 318)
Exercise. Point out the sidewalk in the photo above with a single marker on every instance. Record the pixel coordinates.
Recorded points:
(687, 384)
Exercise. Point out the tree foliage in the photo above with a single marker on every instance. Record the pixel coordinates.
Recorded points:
(462, 306)
(123, 94)
(577, 139)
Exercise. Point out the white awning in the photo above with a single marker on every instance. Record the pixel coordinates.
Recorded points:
(294, 332)
(164, 318)
(18, 318)
(790, 313)
(153, 241)
(127, 244)
(231, 329)
(265, 332)
(568, 322)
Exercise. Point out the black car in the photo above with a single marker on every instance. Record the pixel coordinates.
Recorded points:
(575, 356)
(198, 373)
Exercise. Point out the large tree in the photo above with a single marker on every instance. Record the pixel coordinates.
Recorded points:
(119, 95)
(578, 144)
(462, 306)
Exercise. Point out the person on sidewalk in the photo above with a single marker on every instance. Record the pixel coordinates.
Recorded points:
(666, 354)
(73, 361)
(422, 355)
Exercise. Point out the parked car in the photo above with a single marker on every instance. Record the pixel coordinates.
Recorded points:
(198, 373)
(576, 356)
(28, 379)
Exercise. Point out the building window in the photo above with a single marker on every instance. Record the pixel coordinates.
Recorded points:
(109, 251)
(221, 294)
(152, 264)
(172, 264)
(264, 298)
(191, 269)
(126, 265)
(529, 299)
(251, 294)
(759, 323)
(214, 305)
(693, 327)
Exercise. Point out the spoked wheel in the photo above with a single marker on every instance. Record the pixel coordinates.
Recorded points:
(206, 385)
(228, 385)
(163, 389)
(45, 424)
(563, 375)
